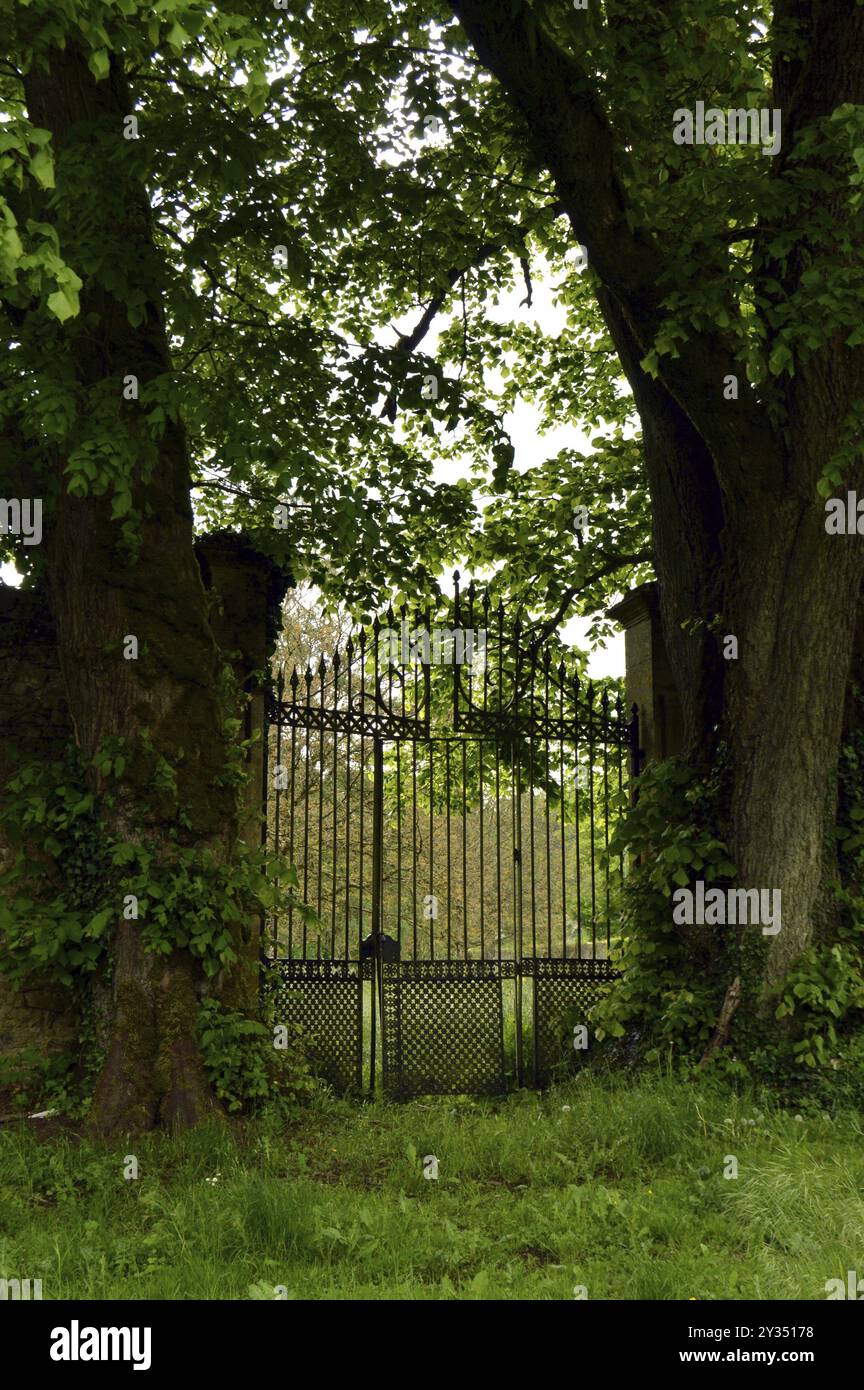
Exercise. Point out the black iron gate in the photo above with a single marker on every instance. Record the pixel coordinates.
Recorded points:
(447, 796)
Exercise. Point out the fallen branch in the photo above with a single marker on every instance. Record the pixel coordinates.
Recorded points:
(724, 1022)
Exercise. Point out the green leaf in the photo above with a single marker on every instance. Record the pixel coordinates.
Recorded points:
(780, 360)
(99, 63)
(177, 36)
(63, 303)
(12, 248)
(121, 504)
(97, 924)
(42, 168)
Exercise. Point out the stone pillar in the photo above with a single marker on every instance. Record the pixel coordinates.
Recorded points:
(246, 590)
(649, 677)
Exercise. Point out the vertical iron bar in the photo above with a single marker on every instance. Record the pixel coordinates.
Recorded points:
(278, 805)
(308, 682)
(335, 849)
(449, 868)
(320, 892)
(377, 868)
(414, 818)
(498, 843)
(531, 777)
(577, 815)
(387, 906)
(635, 753)
(362, 825)
(454, 666)
(605, 709)
(431, 851)
(500, 702)
(293, 785)
(482, 750)
(620, 732)
(464, 849)
(349, 656)
(591, 816)
(547, 777)
(399, 811)
(562, 810)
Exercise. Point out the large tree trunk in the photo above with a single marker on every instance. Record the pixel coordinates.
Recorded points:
(738, 527)
(791, 589)
(100, 595)
(792, 596)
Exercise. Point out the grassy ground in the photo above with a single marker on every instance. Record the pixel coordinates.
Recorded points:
(618, 1188)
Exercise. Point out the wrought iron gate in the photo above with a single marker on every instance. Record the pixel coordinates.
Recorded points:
(447, 796)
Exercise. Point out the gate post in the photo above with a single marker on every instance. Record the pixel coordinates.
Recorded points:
(377, 874)
(246, 590)
(649, 681)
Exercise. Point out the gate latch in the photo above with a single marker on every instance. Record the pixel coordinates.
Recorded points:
(390, 949)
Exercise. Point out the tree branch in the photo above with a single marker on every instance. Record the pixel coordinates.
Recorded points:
(573, 137)
(612, 563)
(409, 341)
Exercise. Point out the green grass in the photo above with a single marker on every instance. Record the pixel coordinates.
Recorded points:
(618, 1187)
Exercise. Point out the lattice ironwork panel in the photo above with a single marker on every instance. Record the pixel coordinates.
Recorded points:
(565, 991)
(326, 998)
(443, 1028)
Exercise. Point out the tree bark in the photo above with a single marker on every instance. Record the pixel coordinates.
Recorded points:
(100, 594)
(792, 593)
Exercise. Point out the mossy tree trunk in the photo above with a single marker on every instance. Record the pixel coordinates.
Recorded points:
(101, 595)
